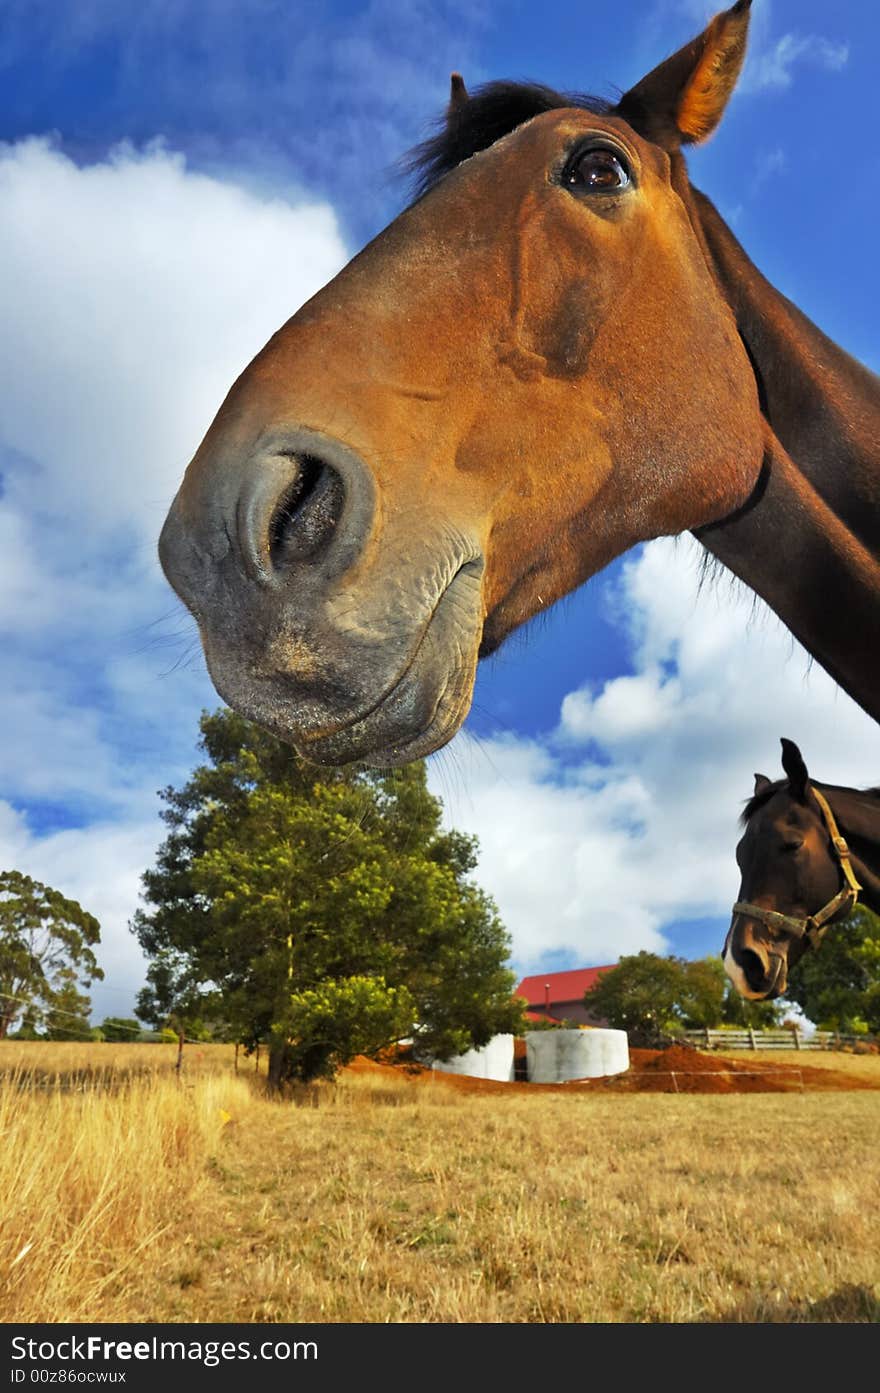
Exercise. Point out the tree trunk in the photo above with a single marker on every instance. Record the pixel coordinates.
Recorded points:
(279, 1058)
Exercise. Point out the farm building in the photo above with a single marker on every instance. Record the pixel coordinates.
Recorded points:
(559, 996)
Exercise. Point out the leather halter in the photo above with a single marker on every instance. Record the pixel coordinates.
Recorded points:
(814, 926)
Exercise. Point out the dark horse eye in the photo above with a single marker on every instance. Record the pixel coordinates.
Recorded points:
(597, 171)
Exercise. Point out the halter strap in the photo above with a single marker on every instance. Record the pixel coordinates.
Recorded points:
(814, 926)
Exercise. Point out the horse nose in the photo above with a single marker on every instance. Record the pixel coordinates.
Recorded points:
(300, 506)
(764, 971)
(305, 504)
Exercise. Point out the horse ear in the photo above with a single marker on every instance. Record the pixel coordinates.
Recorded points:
(793, 764)
(761, 782)
(683, 99)
(458, 95)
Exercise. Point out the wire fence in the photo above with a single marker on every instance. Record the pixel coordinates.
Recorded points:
(84, 1032)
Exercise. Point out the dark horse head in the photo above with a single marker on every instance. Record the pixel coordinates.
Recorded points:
(532, 369)
(798, 877)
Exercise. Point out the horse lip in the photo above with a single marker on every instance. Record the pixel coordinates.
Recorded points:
(778, 983)
(413, 747)
(311, 741)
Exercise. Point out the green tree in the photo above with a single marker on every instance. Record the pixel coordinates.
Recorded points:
(68, 1018)
(838, 987)
(46, 946)
(655, 998)
(323, 910)
(120, 1029)
(640, 996)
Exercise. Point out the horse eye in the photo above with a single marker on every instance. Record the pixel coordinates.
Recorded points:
(793, 844)
(597, 171)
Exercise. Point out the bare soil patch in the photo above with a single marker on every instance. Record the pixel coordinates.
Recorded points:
(679, 1069)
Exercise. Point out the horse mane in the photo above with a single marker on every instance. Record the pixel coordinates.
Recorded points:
(758, 800)
(490, 112)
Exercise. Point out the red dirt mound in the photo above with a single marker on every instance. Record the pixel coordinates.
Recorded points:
(679, 1069)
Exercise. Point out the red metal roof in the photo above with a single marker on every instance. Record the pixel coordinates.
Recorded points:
(564, 986)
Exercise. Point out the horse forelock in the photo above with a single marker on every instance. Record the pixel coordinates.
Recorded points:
(490, 113)
(758, 800)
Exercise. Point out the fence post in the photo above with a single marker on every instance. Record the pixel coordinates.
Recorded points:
(752, 1045)
(797, 1037)
(708, 1040)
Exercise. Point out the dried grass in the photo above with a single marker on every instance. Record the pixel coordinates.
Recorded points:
(98, 1161)
(382, 1200)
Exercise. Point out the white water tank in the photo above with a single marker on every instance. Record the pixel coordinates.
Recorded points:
(492, 1061)
(555, 1056)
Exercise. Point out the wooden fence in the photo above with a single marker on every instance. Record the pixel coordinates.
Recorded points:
(772, 1039)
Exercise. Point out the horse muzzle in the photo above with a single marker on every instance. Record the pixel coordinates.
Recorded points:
(756, 963)
(344, 648)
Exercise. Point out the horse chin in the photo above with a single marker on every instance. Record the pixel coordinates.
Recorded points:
(423, 712)
(398, 717)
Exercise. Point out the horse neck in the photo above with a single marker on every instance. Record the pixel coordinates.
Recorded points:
(858, 816)
(807, 541)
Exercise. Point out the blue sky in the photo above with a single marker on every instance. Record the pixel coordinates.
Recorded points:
(175, 178)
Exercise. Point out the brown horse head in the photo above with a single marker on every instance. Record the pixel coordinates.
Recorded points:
(530, 370)
(794, 883)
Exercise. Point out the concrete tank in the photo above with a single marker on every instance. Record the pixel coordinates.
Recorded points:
(492, 1061)
(555, 1056)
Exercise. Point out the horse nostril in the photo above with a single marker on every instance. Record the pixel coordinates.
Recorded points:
(303, 503)
(306, 514)
(753, 969)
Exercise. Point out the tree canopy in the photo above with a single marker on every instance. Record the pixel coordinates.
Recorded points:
(46, 943)
(655, 998)
(325, 910)
(120, 1029)
(838, 987)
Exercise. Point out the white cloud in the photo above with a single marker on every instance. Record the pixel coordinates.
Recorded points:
(768, 164)
(134, 292)
(771, 68)
(552, 852)
(598, 838)
(100, 866)
(625, 706)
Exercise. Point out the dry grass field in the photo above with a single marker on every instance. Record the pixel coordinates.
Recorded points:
(383, 1198)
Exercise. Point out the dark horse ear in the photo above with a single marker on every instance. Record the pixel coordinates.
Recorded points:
(761, 782)
(793, 764)
(683, 99)
(458, 96)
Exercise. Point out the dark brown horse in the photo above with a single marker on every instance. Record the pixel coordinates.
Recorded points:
(809, 853)
(558, 351)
